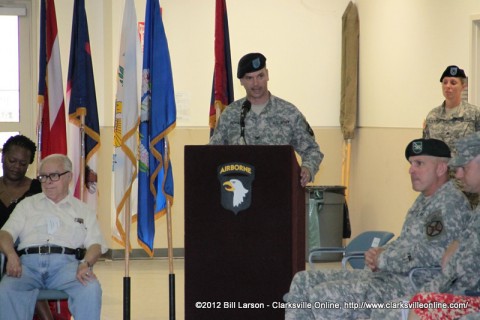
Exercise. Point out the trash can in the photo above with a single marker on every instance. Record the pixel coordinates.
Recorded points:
(325, 220)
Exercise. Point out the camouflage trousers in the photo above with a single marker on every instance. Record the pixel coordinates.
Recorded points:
(341, 294)
(392, 313)
(471, 316)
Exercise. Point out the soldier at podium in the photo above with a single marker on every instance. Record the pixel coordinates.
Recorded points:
(261, 118)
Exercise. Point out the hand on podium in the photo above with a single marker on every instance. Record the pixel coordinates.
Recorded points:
(304, 176)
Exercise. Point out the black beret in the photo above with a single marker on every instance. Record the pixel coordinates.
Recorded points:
(453, 71)
(427, 147)
(250, 63)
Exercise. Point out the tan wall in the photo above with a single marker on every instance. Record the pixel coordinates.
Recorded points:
(399, 70)
(379, 195)
(381, 192)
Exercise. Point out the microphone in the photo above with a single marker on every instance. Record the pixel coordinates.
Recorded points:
(246, 106)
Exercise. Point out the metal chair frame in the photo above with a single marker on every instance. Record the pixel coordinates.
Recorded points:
(354, 251)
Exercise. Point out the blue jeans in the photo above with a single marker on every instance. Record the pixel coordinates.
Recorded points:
(48, 271)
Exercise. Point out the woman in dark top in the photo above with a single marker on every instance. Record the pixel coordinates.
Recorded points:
(6, 210)
(17, 154)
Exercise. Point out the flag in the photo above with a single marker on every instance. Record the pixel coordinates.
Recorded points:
(349, 86)
(126, 122)
(82, 105)
(222, 88)
(52, 136)
(157, 119)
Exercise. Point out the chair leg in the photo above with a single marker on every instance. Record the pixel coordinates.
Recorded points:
(59, 308)
(42, 309)
(310, 261)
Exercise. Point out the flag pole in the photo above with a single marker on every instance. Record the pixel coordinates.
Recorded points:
(171, 276)
(126, 279)
(82, 156)
(346, 166)
(39, 132)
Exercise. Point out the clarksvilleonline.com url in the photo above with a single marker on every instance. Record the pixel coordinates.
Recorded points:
(375, 305)
(330, 305)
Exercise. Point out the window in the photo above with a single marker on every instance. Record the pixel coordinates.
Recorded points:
(9, 85)
(18, 65)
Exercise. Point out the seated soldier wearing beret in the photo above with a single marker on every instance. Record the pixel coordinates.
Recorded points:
(460, 263)
(438, 216)
(273, 121)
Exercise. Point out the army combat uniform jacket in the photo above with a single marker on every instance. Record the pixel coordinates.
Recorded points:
(462, 271)
(450, 127)
(431, 224)
(280, 123)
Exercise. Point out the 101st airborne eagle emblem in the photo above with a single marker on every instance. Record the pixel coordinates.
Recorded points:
(236, 185)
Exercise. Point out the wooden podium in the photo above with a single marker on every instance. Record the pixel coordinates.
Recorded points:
(244, 230)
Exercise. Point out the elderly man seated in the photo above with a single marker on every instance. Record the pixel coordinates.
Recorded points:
(53, 230)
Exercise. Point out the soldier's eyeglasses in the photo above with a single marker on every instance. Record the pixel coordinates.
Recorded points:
(52, 176)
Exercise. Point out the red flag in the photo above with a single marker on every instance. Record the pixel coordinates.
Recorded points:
(222, 88)
(52, 137)
(83, 106)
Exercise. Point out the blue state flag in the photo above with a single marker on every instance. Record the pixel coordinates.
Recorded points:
(157, 119)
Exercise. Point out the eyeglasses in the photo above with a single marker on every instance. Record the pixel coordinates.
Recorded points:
(53, 176)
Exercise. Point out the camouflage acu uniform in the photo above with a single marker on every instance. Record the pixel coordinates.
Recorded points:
(280, 123)
(461, 272)
(450, 127)
(391, 314)
(431, 224)
(471, 316)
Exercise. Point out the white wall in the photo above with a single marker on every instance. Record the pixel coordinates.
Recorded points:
(404, 47)
(301, 40)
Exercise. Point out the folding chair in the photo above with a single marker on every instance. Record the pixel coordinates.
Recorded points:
(414, 272)
(354, 252)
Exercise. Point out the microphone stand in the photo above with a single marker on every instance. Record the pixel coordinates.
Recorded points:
(246, 106)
